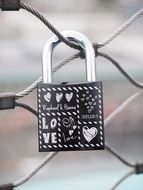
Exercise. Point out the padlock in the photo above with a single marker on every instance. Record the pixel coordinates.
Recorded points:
(70, 116)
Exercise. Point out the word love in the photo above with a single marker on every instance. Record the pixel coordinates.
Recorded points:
(52, 136)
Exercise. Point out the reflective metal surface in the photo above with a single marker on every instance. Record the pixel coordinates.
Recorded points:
(77, 38)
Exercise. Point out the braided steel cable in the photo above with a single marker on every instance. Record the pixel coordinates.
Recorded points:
(26, 107)
(33, 86)
(33, 172)
(123, 178)
(122, 107)
(50, 26)
(119, 157)
(120, 68)
(122, 28)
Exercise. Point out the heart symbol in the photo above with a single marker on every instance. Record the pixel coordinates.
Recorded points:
(89, 134)
(69, 96)
(59, 96)
(71, 132)
(74, 127)
(47, 97)
(69, 124)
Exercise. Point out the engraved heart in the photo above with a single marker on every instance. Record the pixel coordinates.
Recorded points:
(74, 127)
(59, 96)
(47, 97)
(69, 96)
(89, 133)
(71, 132)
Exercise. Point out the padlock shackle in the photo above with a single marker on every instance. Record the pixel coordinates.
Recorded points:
(77, 38)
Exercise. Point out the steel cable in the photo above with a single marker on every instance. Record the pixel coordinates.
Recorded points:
(50, 26)
(123, 178)
(26, 107)
(28, 176)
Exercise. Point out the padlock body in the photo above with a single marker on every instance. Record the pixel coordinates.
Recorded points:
(70, 117)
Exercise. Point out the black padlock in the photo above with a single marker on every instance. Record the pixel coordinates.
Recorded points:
(70, 116)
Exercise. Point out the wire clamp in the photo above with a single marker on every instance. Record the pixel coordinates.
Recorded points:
(7, 101)
(139, 168)
(6, 186)
(10, 5)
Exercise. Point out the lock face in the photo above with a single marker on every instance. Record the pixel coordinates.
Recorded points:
(70, 116)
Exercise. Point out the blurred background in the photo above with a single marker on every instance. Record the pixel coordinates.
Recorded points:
(22, 39)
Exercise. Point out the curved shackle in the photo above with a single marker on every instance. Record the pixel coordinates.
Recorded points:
(78, 38)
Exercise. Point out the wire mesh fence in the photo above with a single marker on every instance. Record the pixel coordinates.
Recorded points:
(135, 167)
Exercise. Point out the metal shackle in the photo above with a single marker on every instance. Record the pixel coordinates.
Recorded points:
(78, 38)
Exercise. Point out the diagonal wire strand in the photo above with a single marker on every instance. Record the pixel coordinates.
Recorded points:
(28, 176)
(112, 116)
(118, 156)
(123, 72)
(123, 178)
(49, 25)
(33, 86)
(122, 28)
(122, 107)
(26, 107)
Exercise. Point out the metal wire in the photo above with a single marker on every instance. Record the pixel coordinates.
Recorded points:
(123, 178)
(33, 86)
(122, 107)
(122, 28)
(120, 158)
(28, 176)
(50, 26)
(26, 107)
(112, 116)
(125, 73)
